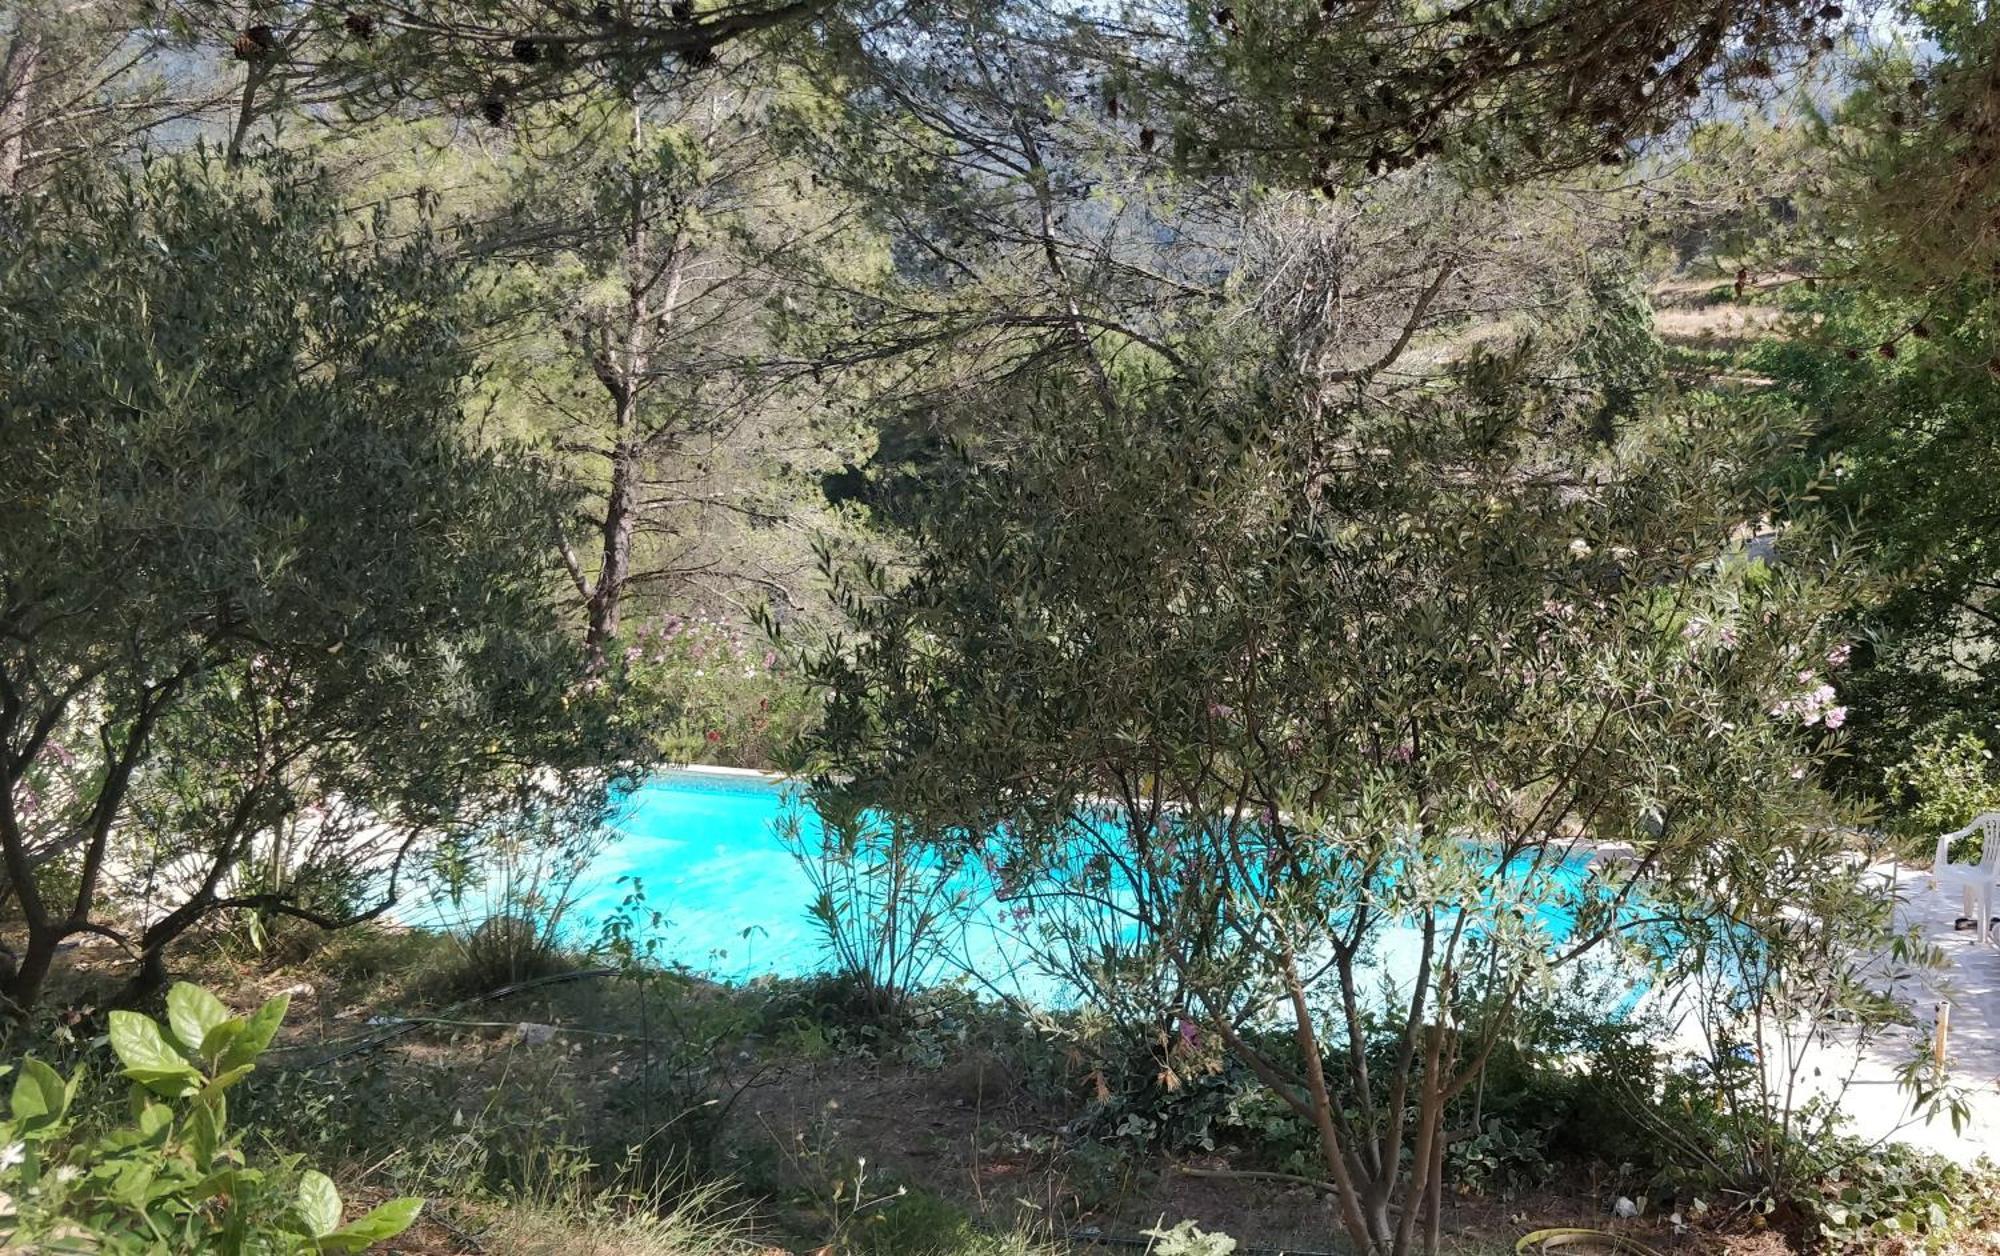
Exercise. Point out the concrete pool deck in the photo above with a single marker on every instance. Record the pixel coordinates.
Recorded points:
(1866, 1082)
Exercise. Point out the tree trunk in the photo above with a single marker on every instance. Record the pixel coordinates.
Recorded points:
(18, 68)
(24, 988)
(621, 507)
(624, 377)
(151, 975)
(149, 978)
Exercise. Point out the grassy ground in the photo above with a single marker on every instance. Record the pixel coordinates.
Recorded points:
(597, 1111)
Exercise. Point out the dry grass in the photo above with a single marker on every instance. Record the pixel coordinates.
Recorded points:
(526, 1230)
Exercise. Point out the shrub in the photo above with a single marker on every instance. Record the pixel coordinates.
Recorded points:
(707, 694)
(173, 1176)
(886, 906)
(1945, 782)
(504, 898)
(1883, 1192)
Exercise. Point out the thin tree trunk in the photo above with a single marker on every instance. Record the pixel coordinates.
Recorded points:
(246, 112)
(18, 68)
(623, 373)
(24, 988)
(621, 507)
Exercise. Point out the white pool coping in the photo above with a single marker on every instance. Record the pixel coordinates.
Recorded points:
(716, 769)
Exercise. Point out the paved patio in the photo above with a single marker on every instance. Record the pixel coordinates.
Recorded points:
(1970, 983)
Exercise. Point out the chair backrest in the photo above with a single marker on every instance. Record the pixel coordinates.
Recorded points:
(1988, 824)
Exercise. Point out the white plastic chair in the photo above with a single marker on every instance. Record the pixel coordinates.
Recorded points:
(1974, 879)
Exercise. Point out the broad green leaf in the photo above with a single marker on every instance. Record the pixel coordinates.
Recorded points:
(41, 1097)
(225, 1182)
(319, 1203)
(223, 1081)
(154, 1120)
(258, 1030)
(191, 1013)
(204, 1135)
(135, 1181)
(375, 1226)
(217, 1040)
(147, 1058)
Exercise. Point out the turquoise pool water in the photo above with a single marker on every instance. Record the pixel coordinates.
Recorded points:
(707, 850)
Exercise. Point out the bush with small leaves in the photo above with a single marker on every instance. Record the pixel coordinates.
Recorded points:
(172, 1177)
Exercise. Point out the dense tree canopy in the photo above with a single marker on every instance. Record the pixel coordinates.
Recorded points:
(253, 571)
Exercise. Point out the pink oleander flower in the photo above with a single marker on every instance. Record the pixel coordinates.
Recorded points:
(1807, 676)
(1834, 717)
(1190, 1034)
(1220, 711)
(1838, 655)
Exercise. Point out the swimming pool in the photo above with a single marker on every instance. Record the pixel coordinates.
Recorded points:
(706, 847)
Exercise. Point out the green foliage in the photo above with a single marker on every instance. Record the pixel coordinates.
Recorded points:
(1185, 1238)
(703, 692)
(1226, 676)
(886, 906)
(173, 1176)
(1497, 1158)
(1946, 781)
(275, 615)
(1619, 355)
(457, 1133)
(1898, 392)
(1879, 1193)
(918, 1223)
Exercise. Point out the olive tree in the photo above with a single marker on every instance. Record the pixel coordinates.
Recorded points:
(1320, 700)
(260, 601)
